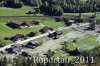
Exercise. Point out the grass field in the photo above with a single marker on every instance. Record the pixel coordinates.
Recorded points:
(12, 12)
(6, 31)
(88, 42)
(84, 15)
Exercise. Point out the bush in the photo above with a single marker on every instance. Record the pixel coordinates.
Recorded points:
(92, 26)
(58, 19)
(18, 5)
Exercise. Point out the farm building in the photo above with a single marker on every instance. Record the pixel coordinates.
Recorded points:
(24, 24)
(46, 29)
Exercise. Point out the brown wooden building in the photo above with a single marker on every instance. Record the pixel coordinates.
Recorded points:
(24, 24)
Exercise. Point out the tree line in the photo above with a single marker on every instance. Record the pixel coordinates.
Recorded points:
(55, 7)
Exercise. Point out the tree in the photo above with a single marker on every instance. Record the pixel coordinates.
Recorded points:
(18, 5)
(50, 54)
(10, 3)
(92, 25)
(39, 3)
(4, 61)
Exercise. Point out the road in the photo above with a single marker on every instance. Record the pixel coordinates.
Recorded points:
(33, 38)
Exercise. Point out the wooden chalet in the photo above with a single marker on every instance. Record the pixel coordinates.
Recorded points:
(46, 29)
(24, 24)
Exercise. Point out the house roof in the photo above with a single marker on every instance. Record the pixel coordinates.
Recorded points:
(28, 23)
(32, 42)
(71, 21)
(18, 36)
(46, 28)
(59, 31)
(16, 22)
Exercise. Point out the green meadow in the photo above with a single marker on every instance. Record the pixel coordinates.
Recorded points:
(6, 31)
(88, 42)
(4, 11)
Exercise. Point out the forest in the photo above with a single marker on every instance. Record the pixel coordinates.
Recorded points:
(55, 7)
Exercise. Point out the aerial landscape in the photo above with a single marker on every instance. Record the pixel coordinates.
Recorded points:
(49, 33)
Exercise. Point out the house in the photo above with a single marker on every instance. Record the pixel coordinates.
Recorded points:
(17, 37)
(13, 49)
(69, 22)
(46, 29)
(24, 24)
(56, 34)
(14, 24)
(32, 45)
(32, 34)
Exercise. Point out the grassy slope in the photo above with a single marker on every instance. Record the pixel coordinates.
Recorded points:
(12, 12)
